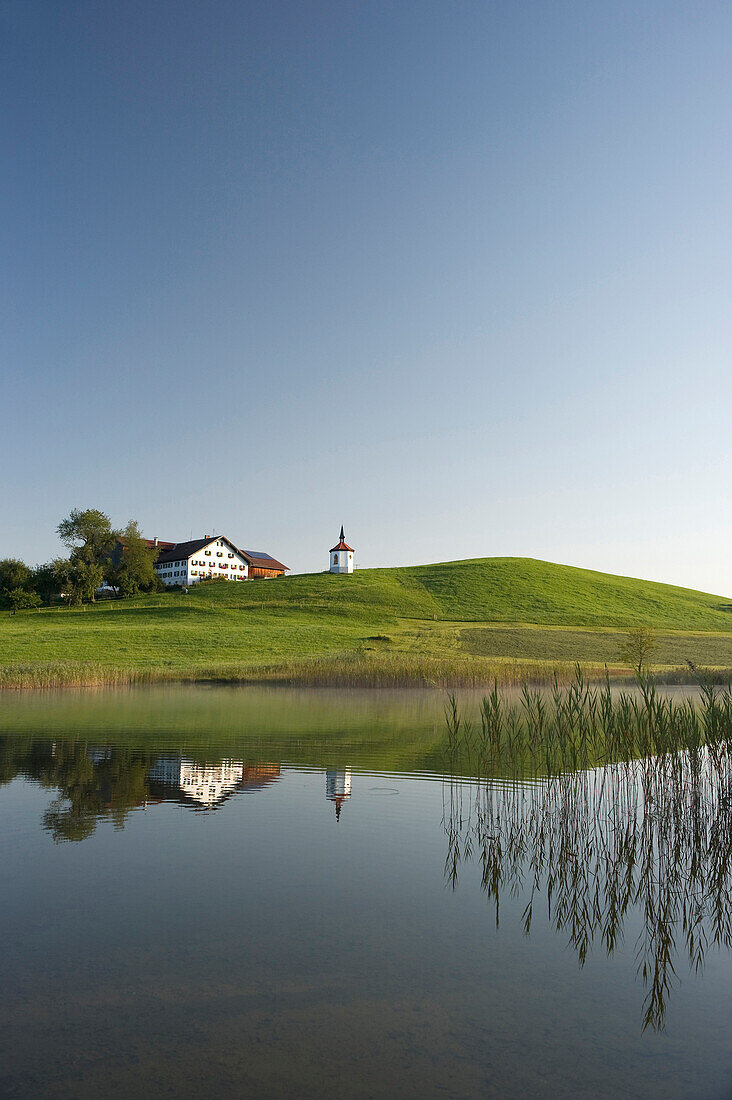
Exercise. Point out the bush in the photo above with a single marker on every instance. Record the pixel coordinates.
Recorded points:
(19, 599)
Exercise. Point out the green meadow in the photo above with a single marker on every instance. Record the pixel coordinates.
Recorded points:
(460, 623)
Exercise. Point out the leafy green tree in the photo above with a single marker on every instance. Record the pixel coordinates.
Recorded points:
(131, 568)
(88, 535)
(20, 599)
(44, 581)
(13, 574)
(77, 579)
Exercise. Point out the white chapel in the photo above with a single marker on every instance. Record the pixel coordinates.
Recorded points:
(341, 556)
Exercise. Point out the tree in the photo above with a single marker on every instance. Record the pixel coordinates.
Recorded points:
(131, 569)
(636, 648)
(13, 574)
(44, 581)
(88, 535)
(20, 599)
(77, 580)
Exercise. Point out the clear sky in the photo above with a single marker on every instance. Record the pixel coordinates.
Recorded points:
(454, 274)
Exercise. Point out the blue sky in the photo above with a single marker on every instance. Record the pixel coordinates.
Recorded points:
(453, 274)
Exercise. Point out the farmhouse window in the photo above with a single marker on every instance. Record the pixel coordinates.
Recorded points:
(208, 552)
(219, 553)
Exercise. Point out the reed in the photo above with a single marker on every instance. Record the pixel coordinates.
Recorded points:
(602, 803)
(580, 724)
(378, 670)
(48, 675)
(367, 669)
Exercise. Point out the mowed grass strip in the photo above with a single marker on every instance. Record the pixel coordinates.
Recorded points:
(566, 645)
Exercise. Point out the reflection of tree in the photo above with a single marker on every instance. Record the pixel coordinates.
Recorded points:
(652, 837)
(92, 788)
(91, 785)
(106, 783)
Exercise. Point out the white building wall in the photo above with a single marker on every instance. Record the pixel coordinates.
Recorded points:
(341, 561)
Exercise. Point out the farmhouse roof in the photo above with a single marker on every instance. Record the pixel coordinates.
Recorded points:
(180, 550)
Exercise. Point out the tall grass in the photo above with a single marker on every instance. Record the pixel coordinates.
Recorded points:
(346, 669)
(580, 724)
(379, 670)
(88, 674)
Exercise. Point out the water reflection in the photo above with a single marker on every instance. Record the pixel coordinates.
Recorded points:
(95, 783)
(636, 854)
(206, 786)
(648, 839)
(337, 787)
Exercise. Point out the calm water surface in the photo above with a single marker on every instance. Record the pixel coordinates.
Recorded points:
(281, 893)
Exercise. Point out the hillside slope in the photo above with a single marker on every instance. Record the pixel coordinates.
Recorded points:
(518, 590)
(531, 591)
(471, 616)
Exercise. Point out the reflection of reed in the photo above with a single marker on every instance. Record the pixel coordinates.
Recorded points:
(608, 805)
(651, 836)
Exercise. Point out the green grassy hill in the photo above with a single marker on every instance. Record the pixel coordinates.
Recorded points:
(526, 590)
(451, 622)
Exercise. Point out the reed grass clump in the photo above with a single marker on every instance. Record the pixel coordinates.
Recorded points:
(579, 725)
(46, 675)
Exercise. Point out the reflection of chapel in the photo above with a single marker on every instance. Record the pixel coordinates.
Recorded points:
(337, 787)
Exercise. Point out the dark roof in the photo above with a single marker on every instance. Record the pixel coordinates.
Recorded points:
(262, 561)
(183, 550)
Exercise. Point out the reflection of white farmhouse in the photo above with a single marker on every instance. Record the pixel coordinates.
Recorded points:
(337, 787)
(205, 784)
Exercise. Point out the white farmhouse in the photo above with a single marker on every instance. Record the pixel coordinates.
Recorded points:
(213, 557)
(341, 556)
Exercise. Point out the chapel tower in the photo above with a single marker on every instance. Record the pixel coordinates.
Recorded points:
(341, 556)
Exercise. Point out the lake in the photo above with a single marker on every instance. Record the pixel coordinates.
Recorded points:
(275, 892)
